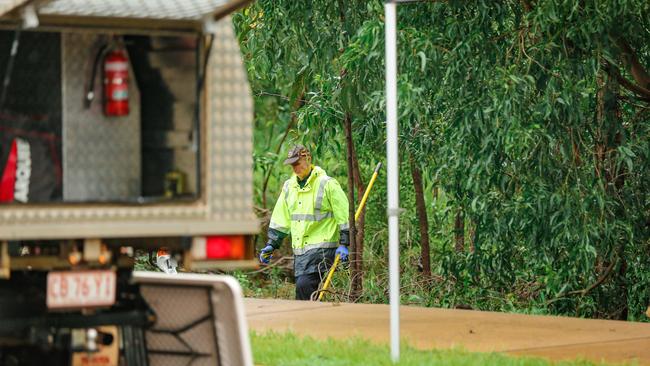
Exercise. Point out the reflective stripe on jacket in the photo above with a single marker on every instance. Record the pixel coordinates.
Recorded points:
(313, 214)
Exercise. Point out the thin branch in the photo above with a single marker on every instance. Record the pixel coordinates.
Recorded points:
(603, 278)
(425, 281)
(263, 93)
(297, 104)
(634, 88)
(270, 266)
(505, 35)
(523, 50)
(631, 60)
(633, 98)
(587, 290)
(335, 114)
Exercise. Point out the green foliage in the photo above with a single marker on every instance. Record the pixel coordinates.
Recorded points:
(289, 349)
(273, 283)
(143, 262)
(514, 115)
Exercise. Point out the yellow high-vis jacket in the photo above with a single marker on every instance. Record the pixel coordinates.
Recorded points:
(313, 214)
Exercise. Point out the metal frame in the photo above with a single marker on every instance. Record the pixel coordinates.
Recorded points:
(191, 352)
(226, 298)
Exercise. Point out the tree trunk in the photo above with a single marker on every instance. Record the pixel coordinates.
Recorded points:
(608, 139)
(472, 235)
(354, 255)
(422, 218)
(359, 224)
(459, 231)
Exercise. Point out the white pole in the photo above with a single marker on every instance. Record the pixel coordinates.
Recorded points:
(390, 9)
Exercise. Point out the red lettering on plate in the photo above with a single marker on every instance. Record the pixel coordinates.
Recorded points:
(98, 285)
(64, 288)
(80, 289)
(77, 287)
(101, 359)
(85, 289)
(108, 285)
(53, 286)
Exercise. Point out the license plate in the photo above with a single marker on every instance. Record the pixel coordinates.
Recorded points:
(80, 289)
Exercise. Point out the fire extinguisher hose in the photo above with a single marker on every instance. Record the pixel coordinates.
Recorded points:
(90, 88)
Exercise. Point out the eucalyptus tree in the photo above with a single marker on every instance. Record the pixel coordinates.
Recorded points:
(532, 115)
(292, 49)
(545, 144)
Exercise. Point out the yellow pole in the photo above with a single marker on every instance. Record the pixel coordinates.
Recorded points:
(367, 192)
(328, 279)
(329, 276)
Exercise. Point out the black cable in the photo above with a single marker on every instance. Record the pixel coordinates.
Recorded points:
(206, 59)
(10, 67)
(90, 88)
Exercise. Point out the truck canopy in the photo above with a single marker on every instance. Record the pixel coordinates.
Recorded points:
(223, 202)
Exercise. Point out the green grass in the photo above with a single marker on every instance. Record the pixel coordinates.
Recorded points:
(288, 349)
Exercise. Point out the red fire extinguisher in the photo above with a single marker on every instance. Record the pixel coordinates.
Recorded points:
(116, 83)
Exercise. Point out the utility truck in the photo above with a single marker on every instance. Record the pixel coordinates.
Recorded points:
(125, 128)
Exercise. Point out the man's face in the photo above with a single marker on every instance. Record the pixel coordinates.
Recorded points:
(301, 167)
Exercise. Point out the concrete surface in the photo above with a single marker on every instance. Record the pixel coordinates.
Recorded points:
(427, 328)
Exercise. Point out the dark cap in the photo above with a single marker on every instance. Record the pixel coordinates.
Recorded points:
(296, 153)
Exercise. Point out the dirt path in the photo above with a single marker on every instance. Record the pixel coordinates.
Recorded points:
(425, 328)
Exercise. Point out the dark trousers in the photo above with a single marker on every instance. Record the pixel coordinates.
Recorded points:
(311, 267)
(306, 285)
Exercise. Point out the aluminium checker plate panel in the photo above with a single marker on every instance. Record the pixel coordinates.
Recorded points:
(230, 138)
(101, 155)
(226, 206)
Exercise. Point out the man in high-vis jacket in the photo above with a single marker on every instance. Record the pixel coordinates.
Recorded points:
(313, 208)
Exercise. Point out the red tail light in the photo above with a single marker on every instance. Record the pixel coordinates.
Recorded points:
(219, 247)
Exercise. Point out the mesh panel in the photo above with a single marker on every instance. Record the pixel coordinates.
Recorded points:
(187, 326)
